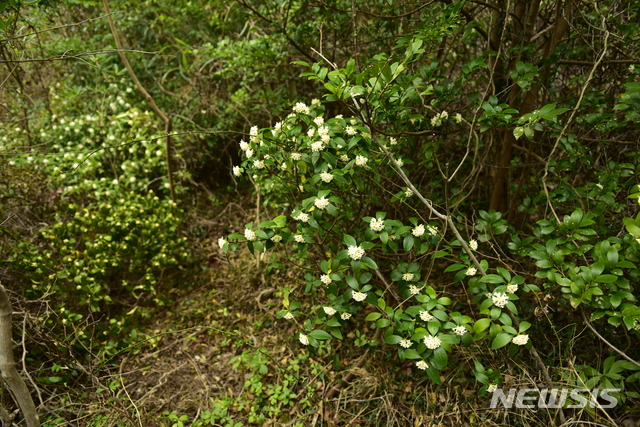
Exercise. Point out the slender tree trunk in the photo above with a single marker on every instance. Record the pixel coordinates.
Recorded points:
(8, 369)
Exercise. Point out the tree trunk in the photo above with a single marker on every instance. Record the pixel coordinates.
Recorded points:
(8, 369)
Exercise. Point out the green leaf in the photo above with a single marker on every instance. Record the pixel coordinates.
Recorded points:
(372, 317)
(349, 240)
(501, 340)
(408, 242)
(319, 334)
(491, 278)
(481, 325)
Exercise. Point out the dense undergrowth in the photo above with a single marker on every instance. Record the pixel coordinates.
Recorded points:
(366, 213)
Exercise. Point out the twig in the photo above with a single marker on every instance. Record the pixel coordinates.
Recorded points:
(165, 119)
(613, 347)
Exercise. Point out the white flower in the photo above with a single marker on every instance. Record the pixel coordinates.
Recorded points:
(321, 203)
(302, 217)
(289, 316)
(299, 238)
(311, 132)
(422, 365)
(330, 311)
(520, 339)
(361, 160)
(258, 164)
(460, 330)
(300, 107)
(499, 299)
(296, 156)
(473, 244)
(492, 388)
(350, 131)
(315, 102)
(344, 158)
(471, 271)
(304, 340)
(405, 343)
(414, 290)
(323, 130)
(278, 127)
(418, 231)
(237, 170)
(432, 342)
(407, 276)
(432, 230)
(393, 141)
(359, 296)
(325, 279)
(249, 153)
(426, 316)
(377, 224)
(511, 289)
(355, 252)
(400, 162)
(408, 193)
(276, 239)
(326, 176)
(457, 117)
(632, 68)
(317, 146)
(221, 242)
(345, 316)
(244, 146)
(249, 234)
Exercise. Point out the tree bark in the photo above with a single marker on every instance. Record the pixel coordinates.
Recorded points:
(8, 369)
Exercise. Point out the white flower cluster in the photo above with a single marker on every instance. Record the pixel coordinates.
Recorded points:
(303, 217)
(377, 224)
(221, 242)
(511, 289)
(407, 276)
(432, 230)
(471, 271)
(432, 342)
(329, 311)
(457, 117)
(253, 134)
(522, 339)
(359, 296)
(325, 279)
(408, 193)
(296, 156)
(304, 340)
(350, 131)
(393, 141)
(288, 316)
(276, 239)
(492, 388)
(473, 244)
(321, 203)
(361, 161)
(499, 299)
(438, 118)
(460, 330)
(326, 177)
(237, 170)
(299, 238)
(405, 343)
(345, 316)
(301, 108)
(418, 231)
(249, 234)
(422, 365)
(426, 316)
(355, 252)
(414, 290)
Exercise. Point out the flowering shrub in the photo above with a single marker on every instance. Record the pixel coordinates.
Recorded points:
(367, 263)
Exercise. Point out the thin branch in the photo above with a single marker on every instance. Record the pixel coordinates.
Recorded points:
(613, 347)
